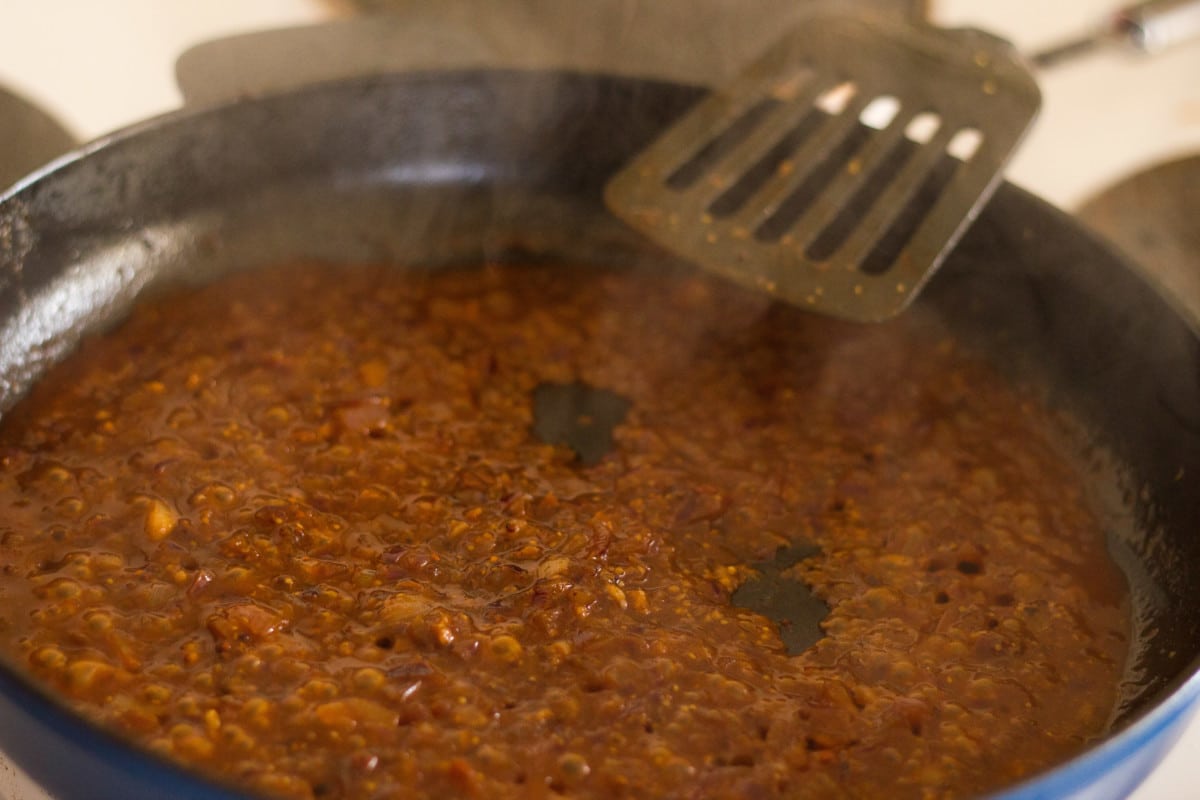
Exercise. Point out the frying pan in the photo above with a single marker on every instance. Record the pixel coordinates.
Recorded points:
(452, 167)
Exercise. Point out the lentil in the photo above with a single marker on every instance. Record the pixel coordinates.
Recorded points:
(293, 530)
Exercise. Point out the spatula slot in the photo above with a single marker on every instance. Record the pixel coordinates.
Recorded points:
(965, 144)
(852, 213)
(883, 255)
(923, 127)
(720, 145)
(835, 100)
(880, 112)
(779, 223)
(777, 159)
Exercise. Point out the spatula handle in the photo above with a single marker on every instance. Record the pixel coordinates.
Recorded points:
(1158, 24)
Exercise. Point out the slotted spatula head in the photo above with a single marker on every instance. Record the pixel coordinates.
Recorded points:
(838, 170)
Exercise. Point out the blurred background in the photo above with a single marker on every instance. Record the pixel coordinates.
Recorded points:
(98, 66)
(1107, 115)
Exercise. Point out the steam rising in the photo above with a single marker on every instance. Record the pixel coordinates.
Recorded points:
(442, 171)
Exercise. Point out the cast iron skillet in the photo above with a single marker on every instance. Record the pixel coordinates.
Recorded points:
(450, 168)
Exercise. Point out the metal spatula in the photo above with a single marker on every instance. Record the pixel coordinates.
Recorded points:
(838, 170)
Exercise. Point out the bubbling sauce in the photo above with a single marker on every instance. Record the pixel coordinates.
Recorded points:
(294, 531)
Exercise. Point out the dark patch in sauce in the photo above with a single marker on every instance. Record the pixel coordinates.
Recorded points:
(577, 415)
(787, 602)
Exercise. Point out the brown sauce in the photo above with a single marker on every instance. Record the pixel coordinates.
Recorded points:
(294, 530)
